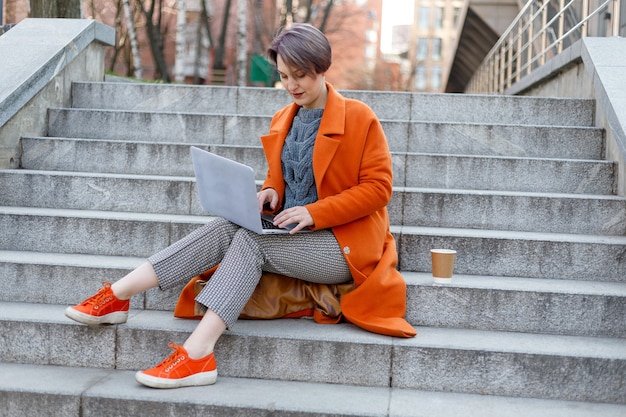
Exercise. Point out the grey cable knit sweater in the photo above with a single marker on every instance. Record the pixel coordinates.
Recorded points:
(297, 158)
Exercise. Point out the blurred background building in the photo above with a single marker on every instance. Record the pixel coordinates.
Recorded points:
(430, 45)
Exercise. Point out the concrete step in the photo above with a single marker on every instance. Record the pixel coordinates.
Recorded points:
(509, 174)
(110, 192)
(481, 252)
(430, 137)
(387, 105)
(555, 213)
(517, 254)
(578, 308)
(498, 139)
(124, 157)
(187, 128)
(410, 169)
(529, 305)
(512, 211)
(92, 232)
(88, 391)
(466, 361)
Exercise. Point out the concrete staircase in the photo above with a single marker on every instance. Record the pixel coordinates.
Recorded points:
(533, 324)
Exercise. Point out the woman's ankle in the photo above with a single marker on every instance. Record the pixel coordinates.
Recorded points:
(120, 295)
(197, 352)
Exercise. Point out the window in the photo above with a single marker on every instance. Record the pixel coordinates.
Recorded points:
(438, 18)
(420, 78)
(436, 54)
(422, 49)
(424, 18)
(457, 16)
(435, 78)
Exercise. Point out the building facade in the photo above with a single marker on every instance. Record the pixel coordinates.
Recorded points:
(352, 26)
(432, 44)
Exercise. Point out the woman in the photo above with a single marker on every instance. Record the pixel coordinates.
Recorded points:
(329, 169)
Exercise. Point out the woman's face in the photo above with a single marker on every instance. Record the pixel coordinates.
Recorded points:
(307, 91)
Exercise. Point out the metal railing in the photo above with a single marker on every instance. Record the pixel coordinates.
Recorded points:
(541, 30)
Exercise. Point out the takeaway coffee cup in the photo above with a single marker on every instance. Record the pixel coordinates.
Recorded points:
(443, 265)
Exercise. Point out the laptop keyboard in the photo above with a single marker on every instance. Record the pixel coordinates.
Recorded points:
(266, 224)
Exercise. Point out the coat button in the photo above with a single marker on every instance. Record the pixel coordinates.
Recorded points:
(346, 250)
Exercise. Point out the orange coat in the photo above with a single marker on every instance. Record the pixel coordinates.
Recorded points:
(353, 175)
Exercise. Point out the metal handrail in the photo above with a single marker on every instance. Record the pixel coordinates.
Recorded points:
(535, 36)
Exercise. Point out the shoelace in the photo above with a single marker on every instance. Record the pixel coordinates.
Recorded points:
(99, 296)
(173, 357)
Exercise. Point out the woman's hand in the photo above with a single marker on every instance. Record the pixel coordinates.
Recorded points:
(267, 196)
(298, 214)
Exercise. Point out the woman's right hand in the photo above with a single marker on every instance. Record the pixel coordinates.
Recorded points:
(267, 196)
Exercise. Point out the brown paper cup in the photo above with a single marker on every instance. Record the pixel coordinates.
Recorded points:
(443, 265)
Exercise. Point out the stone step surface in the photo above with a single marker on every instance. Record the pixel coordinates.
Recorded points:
(533, 317)
(509, 174)
(517, 254)
(480, 252)
(125, 157)
(387, 105)
(410, 169)
(534, 212)
(578, 308)
(529, 305)
(570, 368)
(87, 392)
(454, 138)
(501, 139)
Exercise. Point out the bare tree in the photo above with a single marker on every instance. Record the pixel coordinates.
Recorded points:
(218, 62)
(155, 37)
(327, 8)
(55, 8)
(315, 12)
(286, 13)
(265, 24)
(179, 65)
(119, 34)
(135, 69)
(207, 17)
(242, 47)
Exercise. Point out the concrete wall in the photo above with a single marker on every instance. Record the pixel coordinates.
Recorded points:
(41, 58)
(498, 14)
(591, 68)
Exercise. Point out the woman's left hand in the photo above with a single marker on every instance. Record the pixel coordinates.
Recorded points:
(298, 214)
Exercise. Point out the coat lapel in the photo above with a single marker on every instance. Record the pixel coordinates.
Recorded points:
(274, 141)
(331, 126)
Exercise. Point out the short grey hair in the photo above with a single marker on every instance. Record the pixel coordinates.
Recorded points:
(302, 46)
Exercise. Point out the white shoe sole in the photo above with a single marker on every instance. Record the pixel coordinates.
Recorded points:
(117, 317)
(203, 378)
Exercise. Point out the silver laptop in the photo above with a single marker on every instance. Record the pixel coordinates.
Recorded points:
(227, 189)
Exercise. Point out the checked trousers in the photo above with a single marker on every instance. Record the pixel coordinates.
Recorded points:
(242, 256)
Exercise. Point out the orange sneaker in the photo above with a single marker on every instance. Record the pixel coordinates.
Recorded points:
(102, 308)
(179, 370)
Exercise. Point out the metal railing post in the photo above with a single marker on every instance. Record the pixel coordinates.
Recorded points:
(501, 70)
(544, 33)
(518, 63)
(561, 25)
(509, 66)
(585, 13)
(616, 18)
(529, 41)
(510, 60)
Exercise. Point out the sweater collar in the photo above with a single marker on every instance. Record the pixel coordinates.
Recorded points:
(333, 119)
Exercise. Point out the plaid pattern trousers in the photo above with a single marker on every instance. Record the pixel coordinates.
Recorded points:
(242, 256)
